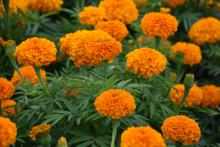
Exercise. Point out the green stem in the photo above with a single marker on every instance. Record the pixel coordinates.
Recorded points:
(180, 72)
(157, 42)
(178, 144)
(15, 65)
(114, 133)
(186, 93)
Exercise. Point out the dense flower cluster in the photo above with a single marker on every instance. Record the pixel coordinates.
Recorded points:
(175, 3)
(8, 132)
(159, 24)
(90, 47)
(205, 30)
(115, 28)
(115, 103)
(91, 15)
(28, 73)
(141, 137)
(6, 89)
(146, 62)
(36, 52)
(39, 131)
(122, 10)
(182, 129)
(194, 97)
(8, 107)
(191, 52)
(211, 96)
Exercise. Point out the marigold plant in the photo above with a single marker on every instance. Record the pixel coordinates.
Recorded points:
(6, 89)
(14, 6)
(39, 131)
(8, 107)
(141, 137)
(115, 103)
(175, 3)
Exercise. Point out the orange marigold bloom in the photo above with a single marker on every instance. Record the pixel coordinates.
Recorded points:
(194, 98)
(122, 10)
(205, 30)
(191, 52)
(115, 28)
(141, 137)
(91, 15)
(29, 74)
(182, 129)
(146, 62)
(211, 96)
(6, 89)
(159, 24)
(115, 103)
(8, 107)
(8, 132)
(14, 6)
(39, 130)
(36, 52)
(90, 47)
(175, 3)
(45, 6)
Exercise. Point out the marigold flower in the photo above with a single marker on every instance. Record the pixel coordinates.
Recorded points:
(122, 10)
(8, 107)
(36, 52)
(146, 62)
(8, 132)
(14, 6)
(91, 15)
(205, 30)
(191, 52)
(175, 3)
(194, 98)
(6, 89)
(115, 103)
(39, 131)
(29, 74)
(159, 24)
(115, 28)
(165, 10)
(62, 142)
(45, 6)
(211, 96)
(182, 129)
(141, 137)
(90, 47)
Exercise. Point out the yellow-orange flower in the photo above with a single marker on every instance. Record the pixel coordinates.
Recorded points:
(90, 47)
(8, 107)
(91, 15)
(115, 28)
(146, 62)
(29, 74)
(40, 130)
(191, 52)
(141, 137)
(115, 103)
(175, 3)
(122, 10)
(205, 30)
(6, 89)
(45, 6)
(14, 6)
(165, 10)
(159, 24)
(182, 129)
(8, 132)
(36, 52)
(211, 96)
(194, 98)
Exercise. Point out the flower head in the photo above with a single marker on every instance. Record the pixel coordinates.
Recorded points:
(211, 96)
(159, 24)
(39, 131)
(175, 3)
(90, 47)
(6, 89)
(91, 15)
(194, 98)
(8, 132)
(146, 62)
(205, 30)
(36, 52)
(29, 74)
(141, 137)
(14, 6)
(8, 107)
(115, 103)
(182, 129)
(165, 10)
(115, 28)
(122, 10)
(191, 52)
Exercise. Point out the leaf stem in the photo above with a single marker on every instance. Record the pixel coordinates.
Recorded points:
(114, 133)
